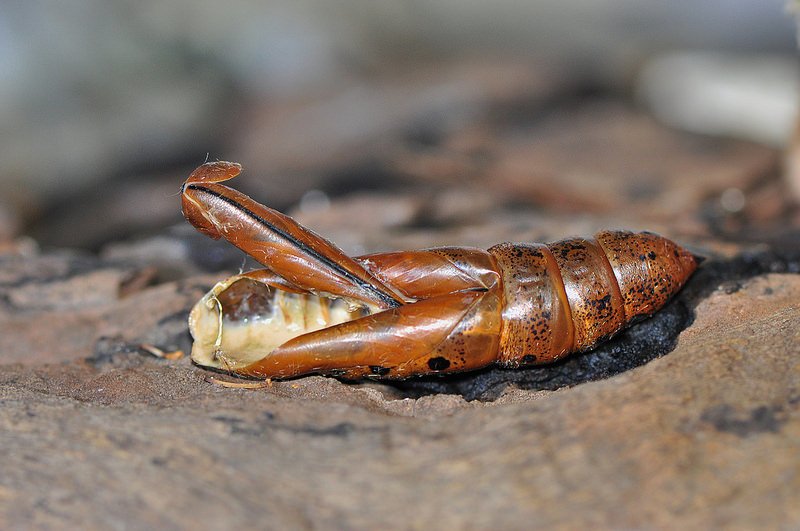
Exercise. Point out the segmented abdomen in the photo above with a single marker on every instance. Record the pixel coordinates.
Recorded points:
(569, 295)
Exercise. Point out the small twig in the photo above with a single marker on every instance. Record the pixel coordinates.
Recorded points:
(160, 353)
(240, 385)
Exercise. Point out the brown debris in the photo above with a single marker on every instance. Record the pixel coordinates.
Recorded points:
(160, 353)
(605, 158)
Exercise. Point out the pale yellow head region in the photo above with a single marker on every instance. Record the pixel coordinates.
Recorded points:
(242, 320)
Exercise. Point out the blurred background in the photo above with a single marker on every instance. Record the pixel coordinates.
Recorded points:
(388, 123)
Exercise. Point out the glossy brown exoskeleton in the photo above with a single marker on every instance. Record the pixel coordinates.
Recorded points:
(406, 313)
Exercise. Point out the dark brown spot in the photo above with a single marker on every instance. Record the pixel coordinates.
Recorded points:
(528, 358)
(602, 304)
(438, 363)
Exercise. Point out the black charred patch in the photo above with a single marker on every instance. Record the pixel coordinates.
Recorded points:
(528, 359)
(636, 319)
(113, 352)
(438, 363)
(377, 370)
(266, 425)
(763, 419)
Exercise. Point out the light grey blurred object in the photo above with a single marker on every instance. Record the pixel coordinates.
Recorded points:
(752, 97)
(90, 88)
(792, 160)
(87, 90)
(792, 164)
